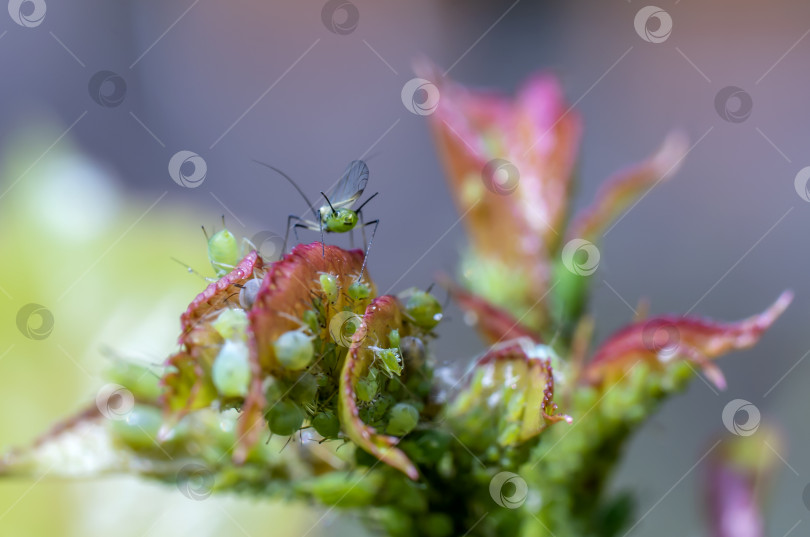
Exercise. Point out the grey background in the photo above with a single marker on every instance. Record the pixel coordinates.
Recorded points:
(713, 227)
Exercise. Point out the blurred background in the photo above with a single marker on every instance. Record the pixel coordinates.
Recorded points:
(98, 96)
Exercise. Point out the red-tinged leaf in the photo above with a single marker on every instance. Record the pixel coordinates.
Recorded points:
(188, 385)
(512, 384)
(76, 447)
(291, 285)
(381, 316)
(493, 323)
(217, 294)
(251, 420)
(625, 187)
(516, 221)
(187, 382)
(660, 340)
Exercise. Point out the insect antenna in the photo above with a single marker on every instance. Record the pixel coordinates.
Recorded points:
(365, 202)
(189, 269)
(329, 202)
(293, 183)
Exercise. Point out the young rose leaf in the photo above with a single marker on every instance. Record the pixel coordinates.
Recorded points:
(494, 324)
(291, 286)
(513, 386)
(627, 186)
(381, 317)
(660, 341)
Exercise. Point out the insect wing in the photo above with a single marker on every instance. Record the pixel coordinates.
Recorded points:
(351, 185)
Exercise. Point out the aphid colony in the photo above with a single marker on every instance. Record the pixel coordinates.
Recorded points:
(306, 339)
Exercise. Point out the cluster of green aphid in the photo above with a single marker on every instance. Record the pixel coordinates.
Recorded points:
(311, 356)
(386, 402)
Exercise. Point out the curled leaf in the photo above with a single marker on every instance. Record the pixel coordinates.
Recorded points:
(291, 288)
(381, 316)
(188, 381)
(493, 323)
(662, 340)
(626, 186)
(217, 295)
(513, 385)
(509, 164)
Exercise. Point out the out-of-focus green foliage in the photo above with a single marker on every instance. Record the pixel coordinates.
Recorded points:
(72, 240)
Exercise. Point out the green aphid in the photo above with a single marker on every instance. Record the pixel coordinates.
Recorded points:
(305, 389)
(231, 369)
(294, 350)
(393, 338)
(381, 406)
(366, 388)
(285, 418)
(223, 251)
(423, 309)
(274, 391)
(346, 489)
(329, 286)
(359, 291)
(232, 323)
(140, 427)
(431, 446)
(389, 360)
(326, 424)
(312, 321)
(139, 379)
(402, 419)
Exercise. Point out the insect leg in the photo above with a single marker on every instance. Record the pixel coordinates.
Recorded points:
(323, 242)
(368, 248)
(290, 219)
(296, 227)
(250, 246)
(362, 228)
(192, 271)
(359, 212)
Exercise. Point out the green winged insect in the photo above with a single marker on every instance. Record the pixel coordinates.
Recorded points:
(337, 214)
